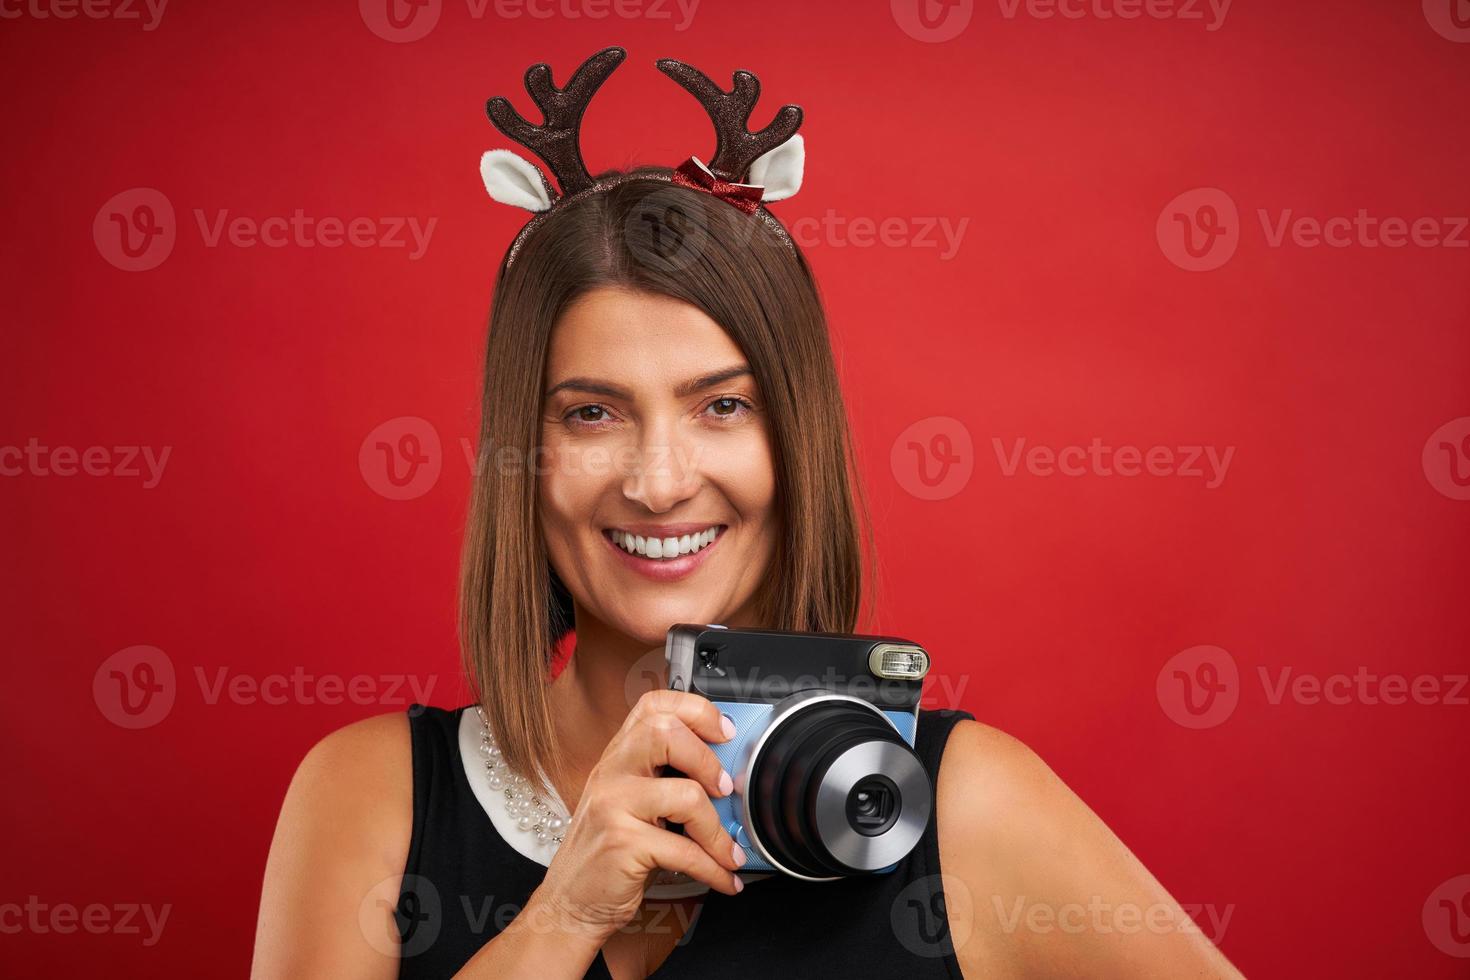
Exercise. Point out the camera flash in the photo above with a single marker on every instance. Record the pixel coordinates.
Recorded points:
(898, 662)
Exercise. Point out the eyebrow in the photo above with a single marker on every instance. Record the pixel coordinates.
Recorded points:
(595, 387)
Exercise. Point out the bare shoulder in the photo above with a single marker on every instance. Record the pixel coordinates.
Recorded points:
(995, 799)
(979, 753)
(341, 841)
(1036, 882)
(357, 782)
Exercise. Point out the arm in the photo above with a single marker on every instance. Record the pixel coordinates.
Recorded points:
(331, 881)
(336, 865)
(1036, 884)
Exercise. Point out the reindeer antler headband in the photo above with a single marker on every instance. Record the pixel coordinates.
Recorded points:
(747, 170)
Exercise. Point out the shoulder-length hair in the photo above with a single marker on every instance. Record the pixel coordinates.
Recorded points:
(745, 273)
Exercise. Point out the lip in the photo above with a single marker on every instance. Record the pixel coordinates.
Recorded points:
(659, 569)
(665, 530)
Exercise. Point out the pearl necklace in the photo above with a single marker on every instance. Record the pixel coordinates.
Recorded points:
(530, 812)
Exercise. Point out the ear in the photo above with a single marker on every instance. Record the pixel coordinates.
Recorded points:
(780, 170)
(512, 180)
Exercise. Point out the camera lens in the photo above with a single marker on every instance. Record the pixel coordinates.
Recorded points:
(835, 790)
(872, 805)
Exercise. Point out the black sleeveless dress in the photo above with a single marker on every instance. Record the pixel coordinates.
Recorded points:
(463, 883)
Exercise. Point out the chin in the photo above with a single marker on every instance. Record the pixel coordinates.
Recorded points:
(649, 623)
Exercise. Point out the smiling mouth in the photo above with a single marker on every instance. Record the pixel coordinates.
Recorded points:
(664, 549)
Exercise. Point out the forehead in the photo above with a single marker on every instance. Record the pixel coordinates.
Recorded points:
(619, 333)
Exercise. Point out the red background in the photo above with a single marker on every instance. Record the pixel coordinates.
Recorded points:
(1056, 600)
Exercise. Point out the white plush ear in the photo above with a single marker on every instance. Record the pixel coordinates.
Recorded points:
(515, 181)
(779, 171)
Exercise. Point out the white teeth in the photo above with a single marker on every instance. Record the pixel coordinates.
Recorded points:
(665, 548)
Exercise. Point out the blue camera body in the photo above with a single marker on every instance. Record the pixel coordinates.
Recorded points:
(751, 720)
(826, 782)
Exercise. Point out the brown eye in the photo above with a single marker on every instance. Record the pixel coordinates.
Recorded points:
(590, 413)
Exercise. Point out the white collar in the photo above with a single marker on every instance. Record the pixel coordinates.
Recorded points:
(519, 840)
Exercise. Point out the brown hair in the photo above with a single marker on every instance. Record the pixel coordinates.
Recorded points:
(744, 272)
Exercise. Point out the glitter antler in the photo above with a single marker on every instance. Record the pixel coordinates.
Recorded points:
(736, 147)
(558, 140)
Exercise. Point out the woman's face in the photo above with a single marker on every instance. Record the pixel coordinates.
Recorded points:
(657, 485)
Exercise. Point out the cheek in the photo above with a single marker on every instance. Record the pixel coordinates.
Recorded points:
(566, 495)
(746, 471)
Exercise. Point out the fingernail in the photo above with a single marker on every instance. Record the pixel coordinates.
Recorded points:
(737, 853)
(727, 726)
(727, 785)
(739, 885)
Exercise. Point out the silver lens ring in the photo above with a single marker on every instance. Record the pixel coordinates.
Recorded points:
(856, 850)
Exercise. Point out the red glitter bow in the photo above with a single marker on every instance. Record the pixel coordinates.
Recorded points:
(695, 175)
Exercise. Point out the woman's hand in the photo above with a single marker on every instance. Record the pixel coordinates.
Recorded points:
(596, 880)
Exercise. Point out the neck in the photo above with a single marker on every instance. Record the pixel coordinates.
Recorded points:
(593, 694)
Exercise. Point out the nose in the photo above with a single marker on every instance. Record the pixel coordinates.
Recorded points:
(665, 473)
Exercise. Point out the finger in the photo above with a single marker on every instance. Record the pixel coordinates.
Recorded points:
(684, 801)
(699, 714)
(675, 852)
(667, 741)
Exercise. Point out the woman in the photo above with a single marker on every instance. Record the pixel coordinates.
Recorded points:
(659, 379)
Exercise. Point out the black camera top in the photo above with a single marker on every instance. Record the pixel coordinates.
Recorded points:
(759, 665)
